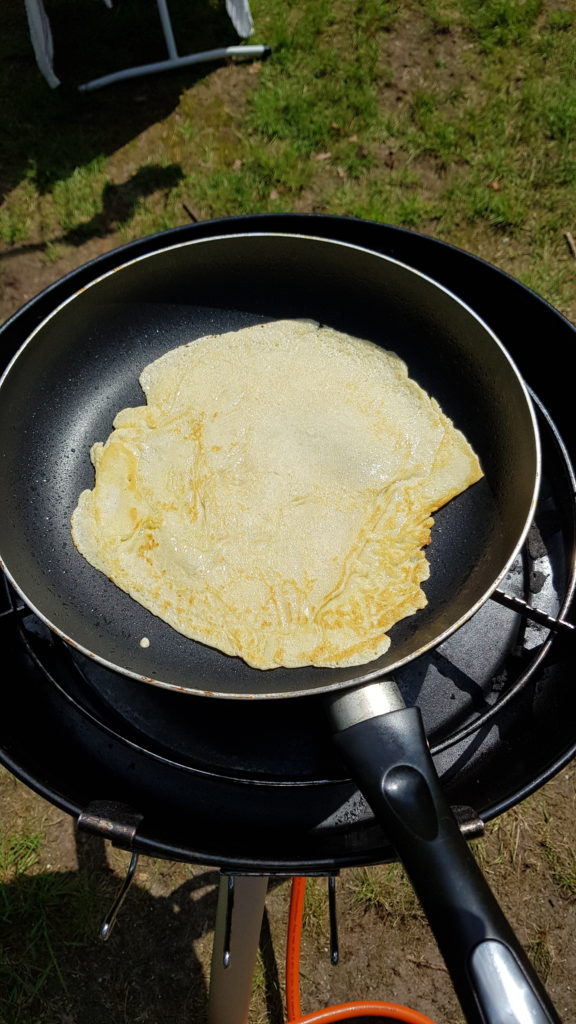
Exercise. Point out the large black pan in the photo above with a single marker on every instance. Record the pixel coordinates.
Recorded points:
(63, 388)
(59, 395)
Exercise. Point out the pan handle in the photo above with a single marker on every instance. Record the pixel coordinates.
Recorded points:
(385, 746)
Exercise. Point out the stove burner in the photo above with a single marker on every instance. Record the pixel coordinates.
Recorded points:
(257, 785)
(482, 670)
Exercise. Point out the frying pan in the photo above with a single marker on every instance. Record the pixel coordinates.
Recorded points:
(81, 365)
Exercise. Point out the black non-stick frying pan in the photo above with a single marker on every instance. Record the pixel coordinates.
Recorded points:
(60, 394)
(63, 388)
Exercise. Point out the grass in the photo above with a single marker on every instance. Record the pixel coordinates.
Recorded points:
(541, 954)
(561, 860)
(44, 917)
(385, 890)
(498, 23)
(465, 131)
(19, 853)
(322, 86)
(22, 909)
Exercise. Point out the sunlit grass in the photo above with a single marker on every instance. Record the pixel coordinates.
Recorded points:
(499, 24)
(451, 117)
(78, 198)
(541, 954)
(43, 916)
(385, 890)
(18, 214)
(561, 860)
(18, 853)
(324, 76)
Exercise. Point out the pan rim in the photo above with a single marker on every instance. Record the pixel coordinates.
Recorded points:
(363, 677)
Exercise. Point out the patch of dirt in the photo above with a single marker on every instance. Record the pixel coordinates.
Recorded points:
(23, 274)
(156, 964)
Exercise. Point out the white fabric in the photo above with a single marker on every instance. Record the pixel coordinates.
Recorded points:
(41, 37)
(238, 12)
(43, 46)
(240, 16)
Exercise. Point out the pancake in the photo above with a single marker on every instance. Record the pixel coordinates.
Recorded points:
(274, 496)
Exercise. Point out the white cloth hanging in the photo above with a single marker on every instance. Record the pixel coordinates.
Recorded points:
(41, 38)
(43, 46)
(240, 16)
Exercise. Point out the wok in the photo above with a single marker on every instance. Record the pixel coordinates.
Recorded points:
(81, 365)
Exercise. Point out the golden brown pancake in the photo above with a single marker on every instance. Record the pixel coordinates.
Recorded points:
(274, 495)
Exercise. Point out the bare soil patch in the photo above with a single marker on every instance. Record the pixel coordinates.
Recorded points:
(156, 965)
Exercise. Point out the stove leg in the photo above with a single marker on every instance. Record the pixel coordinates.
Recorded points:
(239, 913)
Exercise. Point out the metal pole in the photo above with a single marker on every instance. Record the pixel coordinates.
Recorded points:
(239, 913)
(179, 62)
(167, 29)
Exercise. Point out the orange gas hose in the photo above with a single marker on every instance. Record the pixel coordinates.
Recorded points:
(346, 1011)
(293, 942)
(343, 1011)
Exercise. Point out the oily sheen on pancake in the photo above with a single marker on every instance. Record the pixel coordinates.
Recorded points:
(273, 497)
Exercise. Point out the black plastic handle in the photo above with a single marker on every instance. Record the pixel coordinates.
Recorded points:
(492, 976)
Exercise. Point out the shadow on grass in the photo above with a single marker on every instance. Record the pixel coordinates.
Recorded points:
(45, 134)
(119, 203)
(54, 968)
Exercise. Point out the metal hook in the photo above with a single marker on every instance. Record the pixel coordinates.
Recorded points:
(226, 955)
(333, 917)
(110, 918)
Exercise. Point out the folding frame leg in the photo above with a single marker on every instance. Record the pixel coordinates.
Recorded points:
(174, 59)
(239, 914)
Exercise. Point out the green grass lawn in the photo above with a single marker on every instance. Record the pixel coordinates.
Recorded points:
(455, 118)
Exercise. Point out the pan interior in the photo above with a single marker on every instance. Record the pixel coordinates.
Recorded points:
(61, 392)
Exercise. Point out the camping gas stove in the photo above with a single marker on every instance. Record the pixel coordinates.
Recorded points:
(256, 786)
